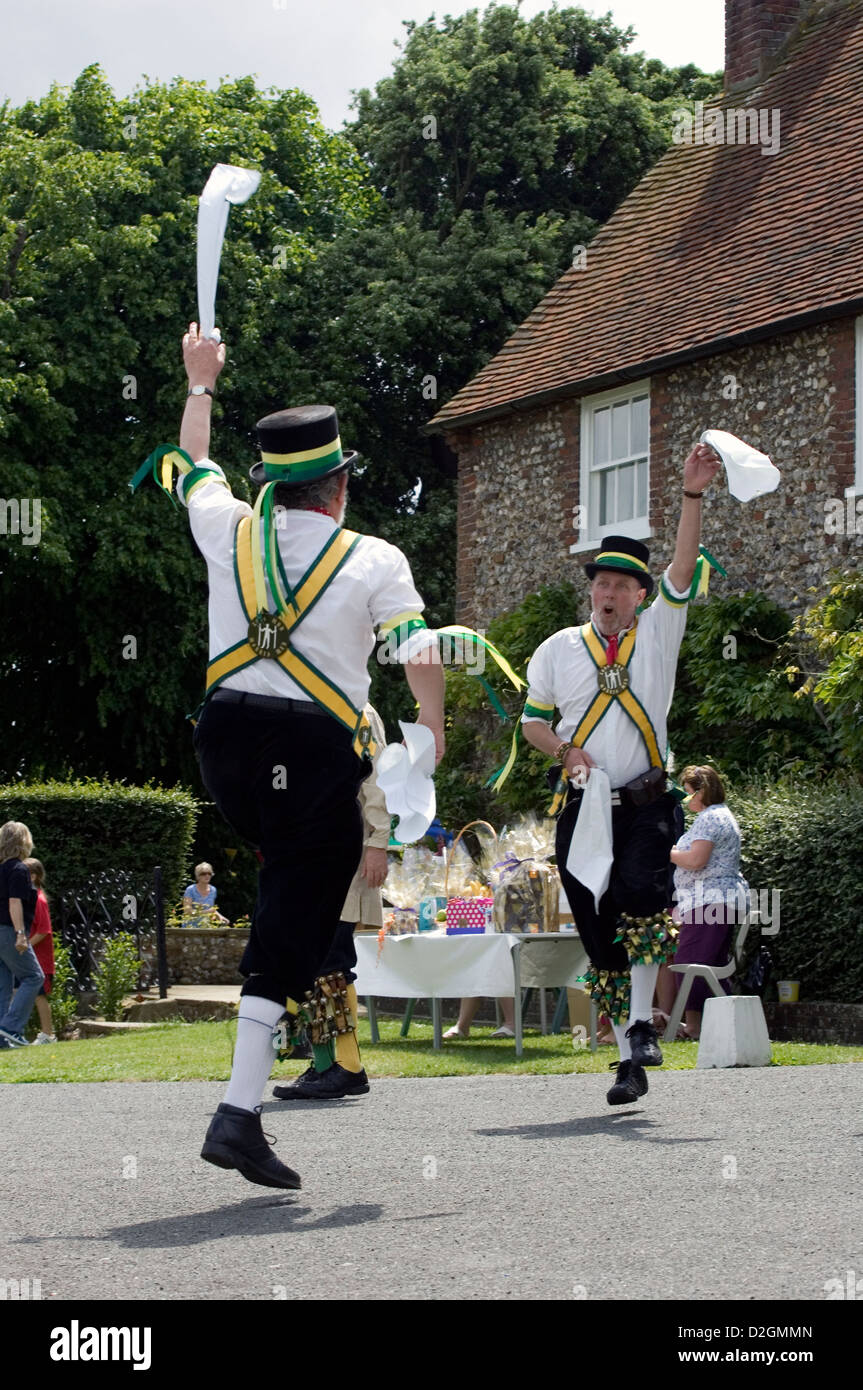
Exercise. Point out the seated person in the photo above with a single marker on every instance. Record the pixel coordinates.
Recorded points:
(199, 899)
(711, 894)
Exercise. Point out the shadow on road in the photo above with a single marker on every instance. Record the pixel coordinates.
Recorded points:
(629, 1126)
(276, 1215)
(255, 1216)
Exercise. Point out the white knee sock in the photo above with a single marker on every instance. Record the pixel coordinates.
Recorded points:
(643, 985)
(254, 1053)
(623, 1044)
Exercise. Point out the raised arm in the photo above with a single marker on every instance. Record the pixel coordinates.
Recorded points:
(699, 469)
(425, 677)
(203, 359)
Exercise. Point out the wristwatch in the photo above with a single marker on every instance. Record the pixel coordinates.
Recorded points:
(200, 391)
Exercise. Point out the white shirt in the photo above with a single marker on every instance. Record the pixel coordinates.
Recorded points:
(373, 586)
(562, 672)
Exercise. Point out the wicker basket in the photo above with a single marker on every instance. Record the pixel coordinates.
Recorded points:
(450, 901)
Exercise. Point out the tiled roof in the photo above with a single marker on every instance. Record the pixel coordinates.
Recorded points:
(715, 245)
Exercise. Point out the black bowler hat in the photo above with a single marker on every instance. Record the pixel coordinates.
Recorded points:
(299, 446)
(624, 556)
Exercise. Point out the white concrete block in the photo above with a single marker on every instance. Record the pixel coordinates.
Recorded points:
(734, 1033)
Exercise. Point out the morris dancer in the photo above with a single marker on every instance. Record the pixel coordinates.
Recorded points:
(612, 681)
(283, 741)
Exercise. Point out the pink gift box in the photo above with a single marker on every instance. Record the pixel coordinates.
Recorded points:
(468, 916)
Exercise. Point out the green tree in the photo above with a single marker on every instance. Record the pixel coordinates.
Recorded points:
(104, 629)
(374, 268)
(548, 115)
(497, 144)
(826, 643)
(734, 705)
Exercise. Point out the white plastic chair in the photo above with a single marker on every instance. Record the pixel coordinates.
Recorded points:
(711, 974)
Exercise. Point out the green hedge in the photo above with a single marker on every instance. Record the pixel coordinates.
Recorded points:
(82, 827)
(805, 841)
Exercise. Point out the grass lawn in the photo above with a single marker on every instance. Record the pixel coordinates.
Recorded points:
(202, 1052)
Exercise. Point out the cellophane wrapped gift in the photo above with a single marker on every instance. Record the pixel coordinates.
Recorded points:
(463, 877)
(414, 876)
(526, 887)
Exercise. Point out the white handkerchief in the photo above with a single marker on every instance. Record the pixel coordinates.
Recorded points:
(750, 473)
(404, 773)
(227, 184)
(590, 852)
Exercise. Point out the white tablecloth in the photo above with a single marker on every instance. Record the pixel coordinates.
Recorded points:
(429, 966)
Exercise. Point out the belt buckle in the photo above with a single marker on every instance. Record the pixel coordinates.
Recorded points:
(615, 798)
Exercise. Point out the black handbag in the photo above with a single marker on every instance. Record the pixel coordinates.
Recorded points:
(758, 973)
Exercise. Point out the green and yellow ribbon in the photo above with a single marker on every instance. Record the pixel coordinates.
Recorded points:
(701, 578)
(164, 459)
(161, 463)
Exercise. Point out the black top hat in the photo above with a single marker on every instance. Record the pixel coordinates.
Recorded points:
(625, 556)
(299, 446)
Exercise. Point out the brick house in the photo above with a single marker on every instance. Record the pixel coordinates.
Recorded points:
(726, 292)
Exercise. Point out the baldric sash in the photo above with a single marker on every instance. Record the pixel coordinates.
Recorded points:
(617, 687)
(614, 685)
(276, 631)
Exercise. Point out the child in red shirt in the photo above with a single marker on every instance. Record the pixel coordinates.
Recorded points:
(42, 941)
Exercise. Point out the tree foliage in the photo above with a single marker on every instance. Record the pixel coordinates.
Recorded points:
(374, 269)
(734, 706)
(543, 116)
(827, 641)
(98, 205)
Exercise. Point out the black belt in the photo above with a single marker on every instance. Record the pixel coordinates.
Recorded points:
(625, 796)
(273, 702)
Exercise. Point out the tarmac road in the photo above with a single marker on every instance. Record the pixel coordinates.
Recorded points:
(718, 1184)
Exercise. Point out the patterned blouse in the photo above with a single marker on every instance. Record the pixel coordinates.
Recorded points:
(720, 880)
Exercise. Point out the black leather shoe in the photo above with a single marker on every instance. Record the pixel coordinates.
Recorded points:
(299, 1082)
(296, 1090)
(645, 1048)
(235, 1139)
(630, 1085)
(332, 1084)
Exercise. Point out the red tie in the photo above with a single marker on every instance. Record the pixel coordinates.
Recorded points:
(611, 651)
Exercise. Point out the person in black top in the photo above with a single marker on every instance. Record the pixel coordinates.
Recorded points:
(17, 957)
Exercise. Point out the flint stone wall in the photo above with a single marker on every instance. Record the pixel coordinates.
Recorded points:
(791, 396)
(204, 955)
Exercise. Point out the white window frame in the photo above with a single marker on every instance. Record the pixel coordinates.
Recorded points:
(856, 489)
(638, 528)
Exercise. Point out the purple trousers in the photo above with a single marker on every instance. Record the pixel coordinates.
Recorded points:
(701, 943)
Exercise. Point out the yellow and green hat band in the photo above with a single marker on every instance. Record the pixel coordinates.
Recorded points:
(608, 557)
(307, 463)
